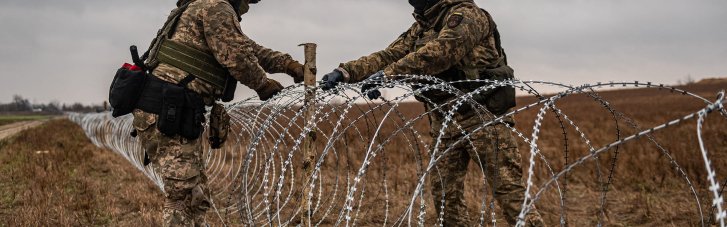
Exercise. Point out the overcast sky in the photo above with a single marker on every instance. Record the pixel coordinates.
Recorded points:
(68, 50)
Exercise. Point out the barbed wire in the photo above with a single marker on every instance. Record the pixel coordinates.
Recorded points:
(257, 178)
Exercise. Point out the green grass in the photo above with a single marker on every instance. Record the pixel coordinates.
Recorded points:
(9, 119)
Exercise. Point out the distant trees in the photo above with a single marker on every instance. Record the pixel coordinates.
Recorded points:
(688, 80)
(78, 107)
(19, 104)
(22, 105)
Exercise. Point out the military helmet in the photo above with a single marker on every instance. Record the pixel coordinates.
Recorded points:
(421, 6)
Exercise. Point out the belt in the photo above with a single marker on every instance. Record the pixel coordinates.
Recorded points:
(151, 97)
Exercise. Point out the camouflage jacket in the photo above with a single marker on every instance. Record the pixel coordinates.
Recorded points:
(212, 26)
(451, 34)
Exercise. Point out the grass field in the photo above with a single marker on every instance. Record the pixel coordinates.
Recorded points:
(9, 119)
(52, 175)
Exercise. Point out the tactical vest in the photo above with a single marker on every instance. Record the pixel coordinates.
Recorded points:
(200, 64)
(498, 100)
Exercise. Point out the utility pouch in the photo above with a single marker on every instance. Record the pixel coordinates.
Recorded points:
(230, 87)
(126, 89)
(170, 118)
(219, 126)
(192, 116)
(501, 99)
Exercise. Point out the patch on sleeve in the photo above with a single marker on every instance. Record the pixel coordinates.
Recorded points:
(454, 20)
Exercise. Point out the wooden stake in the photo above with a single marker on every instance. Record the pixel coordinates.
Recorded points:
(309, 145)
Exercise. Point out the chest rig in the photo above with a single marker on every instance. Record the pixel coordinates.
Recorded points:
(498, 100)
(199, 64)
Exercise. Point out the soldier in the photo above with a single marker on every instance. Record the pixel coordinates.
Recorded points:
(202, 51)
(454, 40)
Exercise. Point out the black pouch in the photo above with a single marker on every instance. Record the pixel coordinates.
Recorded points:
(125, 91)
(192, 116)
(170, 118)
(501, 99)
(230, 88)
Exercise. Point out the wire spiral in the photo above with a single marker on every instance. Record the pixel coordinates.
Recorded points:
(256, 178)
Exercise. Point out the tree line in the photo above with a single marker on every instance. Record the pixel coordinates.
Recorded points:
(21, 105)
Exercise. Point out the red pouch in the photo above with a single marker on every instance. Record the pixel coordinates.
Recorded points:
(131, 67)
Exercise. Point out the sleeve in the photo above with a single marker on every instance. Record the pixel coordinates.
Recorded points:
(363, 67)
(272, 61)
(232, 49)
(462, 28)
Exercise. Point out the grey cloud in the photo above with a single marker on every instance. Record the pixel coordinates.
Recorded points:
(67, 50)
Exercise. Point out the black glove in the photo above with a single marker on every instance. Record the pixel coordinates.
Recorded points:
(370, 84)
(332, 79)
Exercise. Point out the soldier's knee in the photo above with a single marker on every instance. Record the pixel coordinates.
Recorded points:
(200, 200)
(181, 181)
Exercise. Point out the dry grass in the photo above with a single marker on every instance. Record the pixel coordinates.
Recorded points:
(53, 176)
(646, 189)
(75, 183)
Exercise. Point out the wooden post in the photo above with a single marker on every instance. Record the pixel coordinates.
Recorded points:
(309, 145)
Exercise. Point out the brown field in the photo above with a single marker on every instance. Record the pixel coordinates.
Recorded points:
(52, 175)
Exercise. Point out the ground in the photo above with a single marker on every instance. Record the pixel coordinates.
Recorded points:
(9, 119)
(52, 175)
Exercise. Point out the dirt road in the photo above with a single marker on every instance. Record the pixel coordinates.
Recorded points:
(11, 129)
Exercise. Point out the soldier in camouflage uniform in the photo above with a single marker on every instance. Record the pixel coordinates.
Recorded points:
(211, 26)
(452, 35)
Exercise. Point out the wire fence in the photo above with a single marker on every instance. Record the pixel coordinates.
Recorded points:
(257, 177)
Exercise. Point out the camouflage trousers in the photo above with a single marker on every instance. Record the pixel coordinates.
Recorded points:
(180, 164)
(495, 150)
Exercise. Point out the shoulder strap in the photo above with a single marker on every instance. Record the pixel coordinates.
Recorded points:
(150, 56)
(496, 34)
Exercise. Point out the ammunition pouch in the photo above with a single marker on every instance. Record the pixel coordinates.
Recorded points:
(219, 126)
(125, 90)
(440, 96)
(181, 111)
(498, 100)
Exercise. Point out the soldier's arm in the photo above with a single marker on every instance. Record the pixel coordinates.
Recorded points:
(463, 27)
(231, 47)
(272, 61)
(363, 67)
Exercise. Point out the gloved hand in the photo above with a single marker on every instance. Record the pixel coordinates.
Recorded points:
(370, 84)
(295, 70)
(269, 89)
(332, 79)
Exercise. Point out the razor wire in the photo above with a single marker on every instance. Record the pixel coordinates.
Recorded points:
(256, 178)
